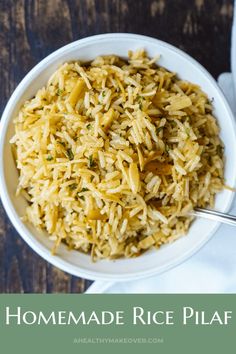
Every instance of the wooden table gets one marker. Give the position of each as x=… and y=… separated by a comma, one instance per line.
x=32, y=29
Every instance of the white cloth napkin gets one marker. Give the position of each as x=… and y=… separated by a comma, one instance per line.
x=213, y=268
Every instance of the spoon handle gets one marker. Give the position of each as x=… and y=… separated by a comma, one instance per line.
x=215, y=215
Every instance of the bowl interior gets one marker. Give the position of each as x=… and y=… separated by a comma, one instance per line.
x=153, y=261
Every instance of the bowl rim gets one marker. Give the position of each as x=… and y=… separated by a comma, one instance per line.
x=23, y=231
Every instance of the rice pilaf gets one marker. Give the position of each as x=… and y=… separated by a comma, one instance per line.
x=114, y=154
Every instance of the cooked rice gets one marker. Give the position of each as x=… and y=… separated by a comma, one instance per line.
x=114, y=154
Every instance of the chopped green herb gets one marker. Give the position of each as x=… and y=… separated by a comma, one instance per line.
x=159, y=129
x=59, y=92
x=187, y=119
x=84, y=189
x=73, y=186
x=81, y=197
x=62, y=143
x=173, y=123
x=167, y=148
x=70, y=154
x=187, y=131
x=103, y=93
x=88, y=126
x=91, y=162
x=140, y=102
x=49, y=158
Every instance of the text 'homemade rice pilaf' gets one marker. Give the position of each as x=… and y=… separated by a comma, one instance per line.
x=113, y=155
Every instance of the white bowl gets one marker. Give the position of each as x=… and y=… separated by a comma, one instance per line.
x=154, y=261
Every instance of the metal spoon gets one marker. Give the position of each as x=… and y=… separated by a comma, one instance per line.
x=215, y=215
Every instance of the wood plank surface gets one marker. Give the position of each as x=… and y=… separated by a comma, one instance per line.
x=32, y=29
